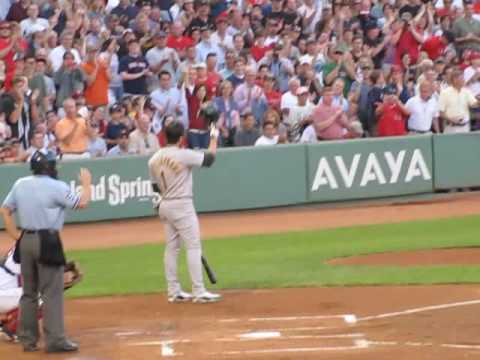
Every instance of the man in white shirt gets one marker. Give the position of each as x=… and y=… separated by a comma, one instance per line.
x=423, y=110
x=270, y=135
x=222, y=38
x=207, y=46
x=311, y=13
x=56, y=55
x=309, y=136
x=301, y=114
x=167, y=100
x=141, y=140
x=33, y=23
x=454, y=105
x=290, y=99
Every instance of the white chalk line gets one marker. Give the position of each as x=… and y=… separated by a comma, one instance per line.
x=419, y=310
x=293, y=337
x=130, y=333
x=160, y=342
x=358, y=344
x=289, y=318
x=302, y=328
x=420, y=344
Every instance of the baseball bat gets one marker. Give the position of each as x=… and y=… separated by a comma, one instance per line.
x=209, y=271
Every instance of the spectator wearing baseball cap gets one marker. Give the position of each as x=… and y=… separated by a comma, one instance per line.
x=115, y=126
x=161, y=57
x=375, y=41
x=121, y=149
x=222, y=38
x=410, y=40
x=391, y=114
x=280, y=66
x=341, y=66
x=300, y=115
x=207, y=46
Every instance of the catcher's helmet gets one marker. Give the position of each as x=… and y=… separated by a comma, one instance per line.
x=44, y=164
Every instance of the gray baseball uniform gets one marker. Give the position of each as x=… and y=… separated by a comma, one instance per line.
x=40, y=202
x=171, y=169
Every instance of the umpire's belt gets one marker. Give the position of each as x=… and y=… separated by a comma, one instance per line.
x=51, y=248
x=28, y=231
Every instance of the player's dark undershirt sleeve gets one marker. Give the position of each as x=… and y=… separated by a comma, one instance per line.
x=208, y=159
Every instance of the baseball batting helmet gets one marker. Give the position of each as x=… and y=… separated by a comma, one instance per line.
x=44, y=164
x=210, y=114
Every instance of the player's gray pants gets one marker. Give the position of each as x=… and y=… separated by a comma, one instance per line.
x=48, y=281
x=181, y=225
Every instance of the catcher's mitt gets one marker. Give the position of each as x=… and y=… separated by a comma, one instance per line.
x=72, y=275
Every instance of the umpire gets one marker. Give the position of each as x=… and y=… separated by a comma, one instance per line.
x=40, y=202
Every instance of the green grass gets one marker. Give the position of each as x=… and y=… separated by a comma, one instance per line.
x=289, y=259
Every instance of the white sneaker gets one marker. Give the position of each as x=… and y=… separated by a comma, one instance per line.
x=181, y=297
x=207, y=297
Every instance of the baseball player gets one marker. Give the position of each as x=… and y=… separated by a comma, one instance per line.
x=171, y=174
x=40, y=201
x=10, y=294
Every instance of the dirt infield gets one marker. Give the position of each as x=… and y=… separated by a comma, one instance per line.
x=421, y=322
x=465, y=256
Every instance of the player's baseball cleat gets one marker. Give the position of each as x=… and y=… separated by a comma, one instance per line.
x=207, y=297
x=182, y=296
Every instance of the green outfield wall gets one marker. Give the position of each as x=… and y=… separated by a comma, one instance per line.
x=248, y=178
x=457, y=160
x=369, y=168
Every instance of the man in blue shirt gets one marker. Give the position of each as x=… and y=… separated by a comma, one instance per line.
x=40, y=202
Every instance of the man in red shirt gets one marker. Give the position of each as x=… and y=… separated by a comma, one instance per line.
x=10, y=43
x=176, y=40
x=391, y=114
x=435, y=46
x=207, y=75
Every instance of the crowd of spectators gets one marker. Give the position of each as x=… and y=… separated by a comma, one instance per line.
x=95, y=78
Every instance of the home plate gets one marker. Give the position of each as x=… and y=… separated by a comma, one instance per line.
x=261, y=335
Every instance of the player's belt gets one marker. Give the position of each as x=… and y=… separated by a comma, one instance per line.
x=178, y=198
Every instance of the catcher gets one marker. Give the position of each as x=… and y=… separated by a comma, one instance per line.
x=11, y=291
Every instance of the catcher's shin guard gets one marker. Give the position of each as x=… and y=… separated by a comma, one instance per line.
x=10, y=324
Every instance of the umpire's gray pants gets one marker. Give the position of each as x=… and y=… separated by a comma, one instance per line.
x=48, y=281
x=181, y=225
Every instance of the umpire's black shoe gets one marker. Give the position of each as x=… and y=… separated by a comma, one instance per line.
x=66, y=346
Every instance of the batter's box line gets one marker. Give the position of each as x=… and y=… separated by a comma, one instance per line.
x=420, y=344
x=358, y=344
x=348, y=318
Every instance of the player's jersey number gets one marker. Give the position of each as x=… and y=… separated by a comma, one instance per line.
x=163, y=182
